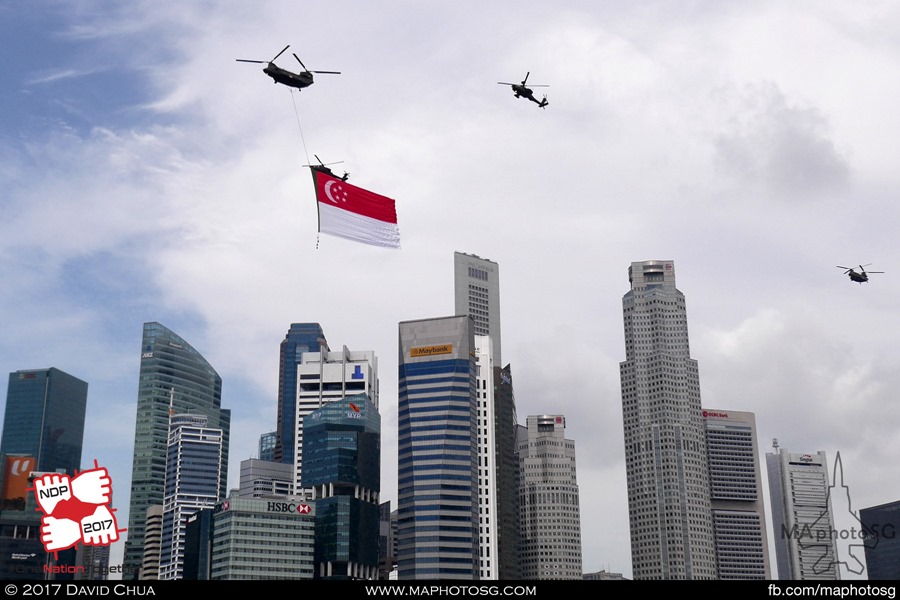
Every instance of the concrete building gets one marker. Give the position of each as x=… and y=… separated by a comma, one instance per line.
x=437, y=498
x=669, y=510
x=324, y=377
x=738, y=509
x=802, y=519
x=550, y=539
x=262, y=539
x=476, y=292
x=171, y=372
x=193, y=482
x=265, y=479
x=152, y=543
x=342, y=468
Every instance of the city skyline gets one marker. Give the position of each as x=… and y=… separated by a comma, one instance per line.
x=150, y=177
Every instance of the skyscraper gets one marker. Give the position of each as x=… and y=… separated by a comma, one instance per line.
x=301, y=337
x=739, y=517
x=488, y=525
x=194, y=479
x=171, y=371
x=507, y=453
x=882, y=526
x=802, y=519
x=550, y=542
x=437, y=450
x=476, y=292
x=44, y=419
x=43, y=431
x=342, y=467
x=665, y=440
x=327, y=377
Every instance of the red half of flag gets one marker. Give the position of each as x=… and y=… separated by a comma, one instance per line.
x=355, y=214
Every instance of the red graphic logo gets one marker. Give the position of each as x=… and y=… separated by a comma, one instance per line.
x=353, y=407
x=76, y=509
x=303, y=509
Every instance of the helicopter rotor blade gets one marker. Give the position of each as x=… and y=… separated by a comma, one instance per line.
x=526, y=77
x=252, y=61
x=506, y=83
x=280, y=53
x=326, y=72
x=301, y=63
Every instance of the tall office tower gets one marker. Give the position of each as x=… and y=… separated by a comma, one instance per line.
x=505, y=430
x=325, y=377
x=301, y=337
x=802, y=520
x=488, y=527
x=665, y=440
x=194, y=479
x=44, y=419
x=171, y=371
x=267, y=443
x=43, y=431
x=265, y=479
x=437, y=463
x=550, y=544
x=342, y=467
x=476, y=292
x=387, y=558
x=882, y=543
x=739, y=516
x=152, y=543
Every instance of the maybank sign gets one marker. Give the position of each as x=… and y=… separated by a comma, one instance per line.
x=431, y=350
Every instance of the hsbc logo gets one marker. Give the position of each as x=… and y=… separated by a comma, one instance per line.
x=288, y=507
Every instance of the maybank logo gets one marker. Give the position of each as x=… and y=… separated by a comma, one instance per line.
x=431, y=350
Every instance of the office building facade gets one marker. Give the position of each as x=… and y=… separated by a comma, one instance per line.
x=488, y=525
x=882, y=543
x=194, y=479
x=476, y=292
x=507, y=480
x=437, y=521
x=262, y=539
x=172, y=373
x=342, y=468
x=802, y=520
x=550, y=538
x=325, y=377
x=669, y=511
x=300, y=338
x=265, y=479
x=43, y=432
x=736, y=494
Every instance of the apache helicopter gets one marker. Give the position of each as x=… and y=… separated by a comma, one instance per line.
x=297, y=80
x=862, y=276
x=520, y=91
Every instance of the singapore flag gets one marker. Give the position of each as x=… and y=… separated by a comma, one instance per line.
x=353, y=213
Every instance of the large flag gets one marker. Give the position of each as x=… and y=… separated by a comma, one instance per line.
x=353, y=213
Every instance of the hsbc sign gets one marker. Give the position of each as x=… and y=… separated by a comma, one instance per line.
x=288, y=507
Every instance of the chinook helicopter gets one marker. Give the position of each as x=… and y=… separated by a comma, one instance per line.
x=862, y=276
x=296, y=80
x=520, y=91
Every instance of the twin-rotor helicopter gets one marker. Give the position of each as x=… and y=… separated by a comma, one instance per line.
x=862, y=276
x=296, y=80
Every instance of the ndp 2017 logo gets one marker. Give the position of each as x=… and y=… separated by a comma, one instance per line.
x=76, y=509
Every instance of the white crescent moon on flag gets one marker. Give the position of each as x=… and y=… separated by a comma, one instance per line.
x=328, y=191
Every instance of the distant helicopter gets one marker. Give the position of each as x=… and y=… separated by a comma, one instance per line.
x=521, y=91
x=324, y=168
x=862, y=276
x=297, y=80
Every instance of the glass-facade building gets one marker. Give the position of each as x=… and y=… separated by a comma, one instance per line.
x=300, y=338
x=172, y=373
x=193, y=481
x=44, y=419
x=342, y=468
x=882, y=526
x=43, y=431
x=437, y=521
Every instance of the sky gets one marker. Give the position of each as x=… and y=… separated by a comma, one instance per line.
x=146, y=175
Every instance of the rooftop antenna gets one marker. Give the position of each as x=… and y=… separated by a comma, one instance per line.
x=775, y=444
